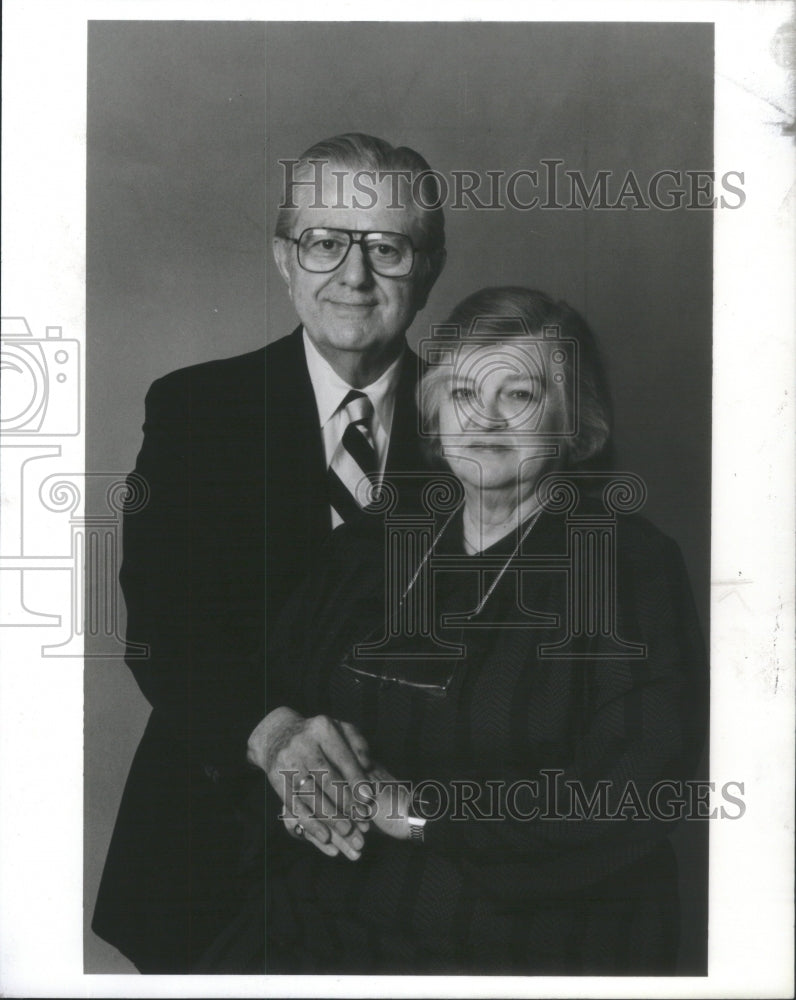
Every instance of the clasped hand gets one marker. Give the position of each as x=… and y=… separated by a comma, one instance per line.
x=331, y=789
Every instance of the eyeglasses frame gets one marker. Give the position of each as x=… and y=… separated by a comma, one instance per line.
x=352, y=234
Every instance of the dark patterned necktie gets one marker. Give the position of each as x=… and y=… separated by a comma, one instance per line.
x=354, y=458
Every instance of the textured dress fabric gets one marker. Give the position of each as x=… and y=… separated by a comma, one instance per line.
x=495, y=888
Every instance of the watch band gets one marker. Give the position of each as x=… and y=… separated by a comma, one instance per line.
x=417, y=829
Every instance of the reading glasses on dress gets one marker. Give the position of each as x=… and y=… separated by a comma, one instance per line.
x=391, y=255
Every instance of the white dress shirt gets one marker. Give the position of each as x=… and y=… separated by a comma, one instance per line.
x=330, y=391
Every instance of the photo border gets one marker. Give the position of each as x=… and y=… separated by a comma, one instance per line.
x=752, y=701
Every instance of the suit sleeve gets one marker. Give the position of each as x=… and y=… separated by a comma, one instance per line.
x=192, y=580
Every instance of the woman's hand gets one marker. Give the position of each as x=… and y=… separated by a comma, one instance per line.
x=317, y=767
x=391, y=805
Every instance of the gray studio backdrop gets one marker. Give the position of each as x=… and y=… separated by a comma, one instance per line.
x=186, y=124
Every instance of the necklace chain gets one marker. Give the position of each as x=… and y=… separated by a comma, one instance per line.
x=534, y=518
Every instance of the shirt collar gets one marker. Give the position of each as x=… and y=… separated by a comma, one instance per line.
x=330, y=390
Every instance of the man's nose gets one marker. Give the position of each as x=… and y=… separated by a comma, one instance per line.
x=355, y=270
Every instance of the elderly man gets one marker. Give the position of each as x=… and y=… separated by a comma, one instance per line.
x=250, y=463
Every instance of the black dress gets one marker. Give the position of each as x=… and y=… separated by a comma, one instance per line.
x=508, y=880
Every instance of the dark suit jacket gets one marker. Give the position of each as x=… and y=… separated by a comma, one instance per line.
x=298, y=520
x=233, y=460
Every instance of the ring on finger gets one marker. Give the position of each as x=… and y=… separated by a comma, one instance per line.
x=305, y=780
x=298, y=830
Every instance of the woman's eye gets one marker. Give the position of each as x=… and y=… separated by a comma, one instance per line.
x=462, y=392
x=521, y=394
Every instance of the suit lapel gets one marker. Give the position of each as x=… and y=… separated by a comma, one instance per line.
x=296, y=446
x=404, y=454
x=295, y=454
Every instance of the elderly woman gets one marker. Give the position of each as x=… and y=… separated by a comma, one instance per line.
x=488, y=793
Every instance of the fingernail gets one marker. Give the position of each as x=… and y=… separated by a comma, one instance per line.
x=357, y=842
x=367, y=791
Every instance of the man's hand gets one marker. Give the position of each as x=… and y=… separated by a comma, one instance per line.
x=314, y=765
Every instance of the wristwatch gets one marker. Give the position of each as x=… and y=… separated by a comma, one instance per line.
x=417, y=824
x=417, y=829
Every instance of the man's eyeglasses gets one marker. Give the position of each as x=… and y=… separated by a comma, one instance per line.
x=391, y=255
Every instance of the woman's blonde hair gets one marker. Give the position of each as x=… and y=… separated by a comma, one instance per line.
x=490, y=311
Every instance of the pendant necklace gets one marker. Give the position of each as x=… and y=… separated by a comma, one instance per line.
x=534, y=518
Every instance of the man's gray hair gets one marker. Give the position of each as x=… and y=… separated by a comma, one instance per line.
x=357, y=151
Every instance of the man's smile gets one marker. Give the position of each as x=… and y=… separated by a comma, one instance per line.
x=351, y=305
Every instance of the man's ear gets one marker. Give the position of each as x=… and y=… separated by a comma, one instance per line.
x=438, y=258
x=434, y=266
x=282, y=255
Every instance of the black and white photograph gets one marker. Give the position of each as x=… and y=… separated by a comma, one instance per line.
x=423, y=597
